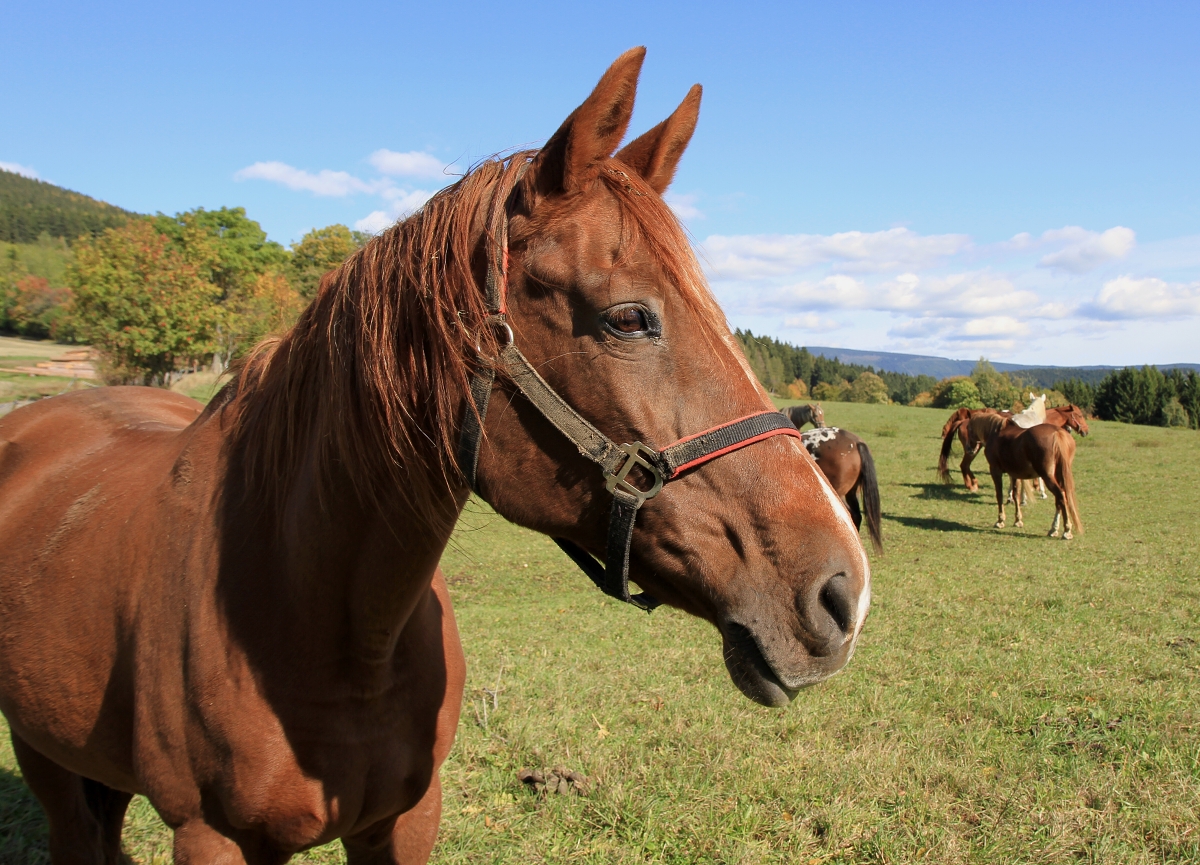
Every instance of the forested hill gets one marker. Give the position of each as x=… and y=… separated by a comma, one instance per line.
x=941, y=367
x=30, y=208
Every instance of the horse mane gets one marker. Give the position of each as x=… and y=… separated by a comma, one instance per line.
x=371, y=380
x=987, y=424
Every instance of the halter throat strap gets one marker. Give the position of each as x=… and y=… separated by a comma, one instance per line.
x=616, y=462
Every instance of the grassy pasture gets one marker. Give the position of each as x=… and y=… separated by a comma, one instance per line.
x=1013, y=698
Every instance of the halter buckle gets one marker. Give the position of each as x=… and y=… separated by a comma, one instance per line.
x=634, y=457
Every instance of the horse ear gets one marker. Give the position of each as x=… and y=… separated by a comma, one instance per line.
x=655, y=154
x=593, y=130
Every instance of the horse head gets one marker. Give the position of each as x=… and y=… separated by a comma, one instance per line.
x=607, y=301
x=1075, y=419
x=818, y=414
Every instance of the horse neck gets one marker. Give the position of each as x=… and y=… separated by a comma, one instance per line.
x=337, y=476
x=324, y=577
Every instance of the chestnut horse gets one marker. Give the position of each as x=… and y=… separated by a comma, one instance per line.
x=237, y=610
x=1044, y=451
x=972, y=437
x=846, y=461
x=801, y=414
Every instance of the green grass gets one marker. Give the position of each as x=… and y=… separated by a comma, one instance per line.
x=1013, y=698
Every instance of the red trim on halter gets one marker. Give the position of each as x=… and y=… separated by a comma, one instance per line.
x=731, y=448
x=717, y=427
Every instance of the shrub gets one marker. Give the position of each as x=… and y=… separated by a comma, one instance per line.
x=869, y=388
x=957, y=392
x=1174, y=414
x=830, y=392
x=797, y=389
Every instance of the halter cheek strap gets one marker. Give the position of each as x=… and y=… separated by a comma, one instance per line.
x=616, y=462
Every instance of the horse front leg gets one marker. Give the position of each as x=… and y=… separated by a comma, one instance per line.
x=998, y=483
x=85, y=817
x=198, y=843
x=403, y=840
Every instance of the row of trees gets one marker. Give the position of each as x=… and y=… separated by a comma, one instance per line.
x=795, y=372
x=1143, y=396
x=164, y=293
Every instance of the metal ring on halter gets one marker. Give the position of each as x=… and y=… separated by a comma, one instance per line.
x=496, y=321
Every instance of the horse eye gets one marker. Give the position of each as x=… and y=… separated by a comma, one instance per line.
x=630, y=320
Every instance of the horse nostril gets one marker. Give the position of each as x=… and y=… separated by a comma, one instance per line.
x=839, y=601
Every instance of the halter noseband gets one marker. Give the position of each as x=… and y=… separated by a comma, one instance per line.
x=615, y=461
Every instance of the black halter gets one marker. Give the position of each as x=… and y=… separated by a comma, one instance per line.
x=615, y=461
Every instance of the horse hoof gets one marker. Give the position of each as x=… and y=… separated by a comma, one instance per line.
x=1067, y=536
x=1019, y=524
x=999, y=525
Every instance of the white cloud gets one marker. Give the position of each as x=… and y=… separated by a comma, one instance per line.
x=759, y=256
x=1086, y=250
x=684, y=206
x=336, y=184
x=955, y=296
x=375, y=222
x=23, y=170
x=399, y=201
x=411, y=164
x=1128, y=298
x=811, y=321
x=404, y=202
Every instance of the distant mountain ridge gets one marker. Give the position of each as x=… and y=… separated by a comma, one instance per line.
x=941, y=367
x=30, y=208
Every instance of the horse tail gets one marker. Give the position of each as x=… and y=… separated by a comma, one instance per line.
x=943, y=469
x=870, y=493
x=1066, y=480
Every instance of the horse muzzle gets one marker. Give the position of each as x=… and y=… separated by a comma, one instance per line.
x=771, y=664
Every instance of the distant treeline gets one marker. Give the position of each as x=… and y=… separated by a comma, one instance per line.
x=1144, y=396
x=30, y=209
x=787, y=370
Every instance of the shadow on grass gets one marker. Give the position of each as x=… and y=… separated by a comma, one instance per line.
x=945, y=492
x=932, y=523
x=23, y=840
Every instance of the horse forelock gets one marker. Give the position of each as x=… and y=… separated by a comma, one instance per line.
x=651, y=221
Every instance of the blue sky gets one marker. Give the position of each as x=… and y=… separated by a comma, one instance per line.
x=1018, y=181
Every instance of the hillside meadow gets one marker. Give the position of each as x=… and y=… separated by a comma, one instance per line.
x=1013, y=698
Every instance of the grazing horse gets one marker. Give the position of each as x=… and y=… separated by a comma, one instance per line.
x=1043, y=451
x=846, y=460
x=237, y=610
x=802, y=414
x=971, y=436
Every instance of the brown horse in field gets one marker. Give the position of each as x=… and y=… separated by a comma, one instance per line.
x=809, y=413
x=962, y=424
x=846, y=461
x=1044, y=451
x=237, y=610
